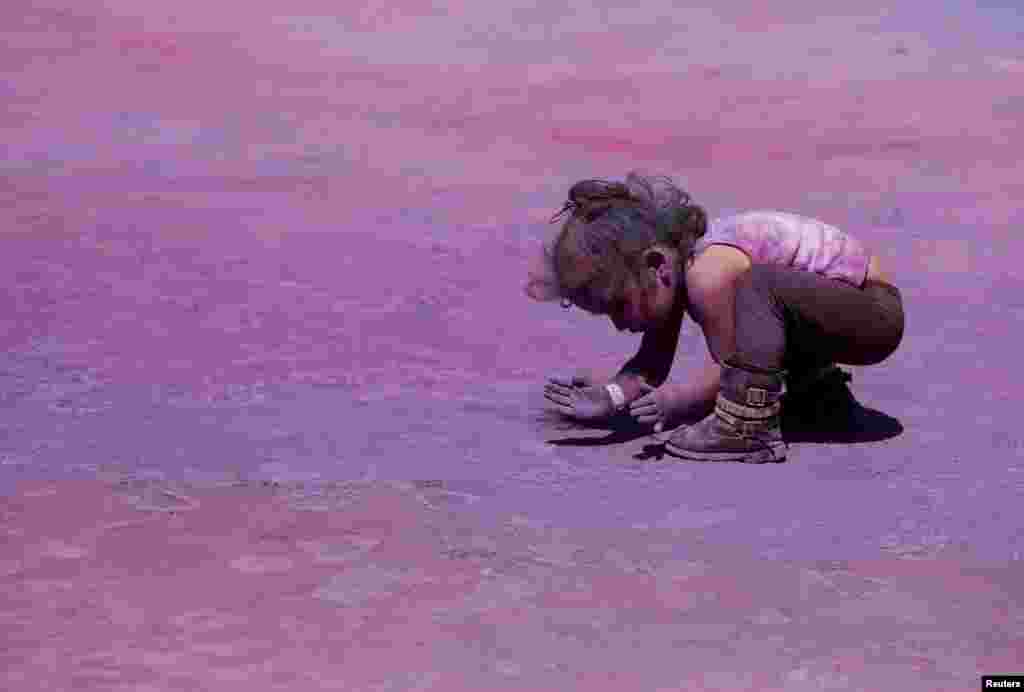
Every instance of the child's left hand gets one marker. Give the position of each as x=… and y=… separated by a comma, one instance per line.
x=651, y=407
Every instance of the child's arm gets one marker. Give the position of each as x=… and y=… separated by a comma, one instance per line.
x=653, y=362
x=671, y=405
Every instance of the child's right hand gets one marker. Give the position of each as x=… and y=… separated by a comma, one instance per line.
x=577, y=397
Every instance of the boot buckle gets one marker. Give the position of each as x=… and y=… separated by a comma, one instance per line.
x=757, y=396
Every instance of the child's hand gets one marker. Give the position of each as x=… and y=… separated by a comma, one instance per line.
x=577, y=398
x=652, y=407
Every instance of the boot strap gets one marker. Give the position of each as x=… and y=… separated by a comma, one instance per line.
x=747, y=427
x=749, y=412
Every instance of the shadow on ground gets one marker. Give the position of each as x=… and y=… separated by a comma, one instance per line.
x=620, y=429
x=859, y=425
x=856, y=426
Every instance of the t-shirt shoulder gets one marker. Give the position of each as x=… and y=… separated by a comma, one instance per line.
x=785, y=238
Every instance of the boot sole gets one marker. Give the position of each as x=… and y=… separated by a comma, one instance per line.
x=771, y=455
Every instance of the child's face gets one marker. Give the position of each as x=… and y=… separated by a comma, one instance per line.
x=631, y=306
x=627, y=310
x=647, y=302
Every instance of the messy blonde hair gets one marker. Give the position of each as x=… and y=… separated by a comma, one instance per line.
x=609, y=227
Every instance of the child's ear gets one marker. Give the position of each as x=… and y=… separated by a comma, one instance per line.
x=655, y=258
x=666, y=277
x=657, y=261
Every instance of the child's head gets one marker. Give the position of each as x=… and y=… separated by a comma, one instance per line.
x=614, y=235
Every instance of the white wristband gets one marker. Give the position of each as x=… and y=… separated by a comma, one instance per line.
x=617, y=395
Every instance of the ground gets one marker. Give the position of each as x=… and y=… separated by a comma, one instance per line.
x=272, y=395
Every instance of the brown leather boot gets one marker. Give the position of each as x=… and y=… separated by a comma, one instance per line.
x=745, y=424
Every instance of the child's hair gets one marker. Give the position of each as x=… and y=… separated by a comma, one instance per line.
x=610, y=226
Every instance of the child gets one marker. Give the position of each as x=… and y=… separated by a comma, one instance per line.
x=776, y=295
